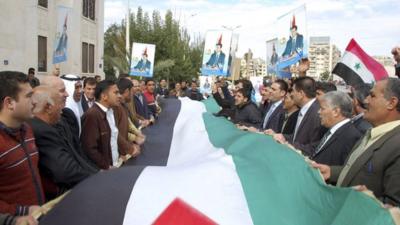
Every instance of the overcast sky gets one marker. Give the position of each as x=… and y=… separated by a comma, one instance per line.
x=374, y=24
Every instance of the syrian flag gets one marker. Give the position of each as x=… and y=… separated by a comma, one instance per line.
x=357, y=67
x=200, y=169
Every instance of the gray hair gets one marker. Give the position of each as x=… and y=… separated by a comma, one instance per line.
x=42, y=96
x=341, y=100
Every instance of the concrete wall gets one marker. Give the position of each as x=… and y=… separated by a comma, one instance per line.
x=21, y=21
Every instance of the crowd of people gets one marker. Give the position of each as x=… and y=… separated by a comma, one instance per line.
x=60, y=130
x=57, y=131
x=350, y=135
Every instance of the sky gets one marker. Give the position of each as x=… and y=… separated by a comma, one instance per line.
x=375, y=25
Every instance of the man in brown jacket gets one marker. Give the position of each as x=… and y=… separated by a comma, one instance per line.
x=99, y=131
x=126, y=146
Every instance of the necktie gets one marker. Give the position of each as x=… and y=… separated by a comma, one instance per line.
x=270, y=111
x=299, y=119
x=322, y=142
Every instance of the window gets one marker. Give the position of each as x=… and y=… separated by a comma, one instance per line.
x=87, y=58
x=42, y=54
x=91, y=58
x=84, y=57
x=88, y=9
x=43, y=3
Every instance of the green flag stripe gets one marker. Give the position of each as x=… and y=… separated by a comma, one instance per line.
x=281, y=188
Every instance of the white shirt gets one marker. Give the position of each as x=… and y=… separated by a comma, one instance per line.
x=334, y=129
x=302, y=112
x=114, y=133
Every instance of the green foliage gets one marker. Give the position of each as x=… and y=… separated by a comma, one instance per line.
x=325, y=76
x=176, y=58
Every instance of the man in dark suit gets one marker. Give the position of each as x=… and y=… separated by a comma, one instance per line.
x=162, y=89
x=275, y=114
x=335, y=145
x=294, y=44
x=144, y=64
x=291, y=113
x=246, y=112
x=87, y=99
x=99, y=131
x=217, y=59
x=375, y=159
x=60, y=163
x=359, y=93
x=140, y=102
x=308, y=131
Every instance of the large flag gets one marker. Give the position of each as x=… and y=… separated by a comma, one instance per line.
x=357, y=67
x=221, y=174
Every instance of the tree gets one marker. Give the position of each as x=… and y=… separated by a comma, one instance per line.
x=325, y=76
x=175, y=59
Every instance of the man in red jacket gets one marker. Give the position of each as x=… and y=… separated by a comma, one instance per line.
x=20, y=185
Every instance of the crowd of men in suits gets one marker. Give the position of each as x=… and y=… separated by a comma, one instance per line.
x=351, y=135
x=61, y=130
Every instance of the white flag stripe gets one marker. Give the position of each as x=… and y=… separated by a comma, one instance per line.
x=189, y=127
x=350, y=60
x=208, y=182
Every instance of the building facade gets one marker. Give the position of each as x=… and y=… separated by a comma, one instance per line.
x=250, y=66
x=28, y=31
x=323, y=56
x=388, y=63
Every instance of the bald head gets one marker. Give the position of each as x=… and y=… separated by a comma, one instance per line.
x=57, y=84
x=42, y=96
x=47, y=104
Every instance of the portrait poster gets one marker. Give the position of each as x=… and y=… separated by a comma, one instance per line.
x=292, y=40
x=257, y=83
x=216, y=53
x=142, y=61
x=206, y=83
x=272, y=57
x=60, y=49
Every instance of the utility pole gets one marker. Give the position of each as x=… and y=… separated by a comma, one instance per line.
x=127, y=38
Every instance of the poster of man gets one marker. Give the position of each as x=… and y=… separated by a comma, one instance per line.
x=205, y=84
x=61, y=38
x=142, y=63
x=291, y=43
x=272, y=56
x=216, y=53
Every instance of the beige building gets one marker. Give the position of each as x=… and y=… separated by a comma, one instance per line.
x=388, y=63
x=28, y=30
x=323, y=56
x=250, y=66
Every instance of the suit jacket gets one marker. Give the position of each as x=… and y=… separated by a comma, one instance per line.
x=377, y=168
x=122, y=122
x=310, y=131
x=59, y=160
x=142, y=109
x=275, y=121
x=162, y=91
x=361, y=124
x=141, y=65
x=96, y=137
x=247, y=115
x=215, y=61
x=290, y=124
x=84, y=103
x=338, y=147
x=298, y=44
